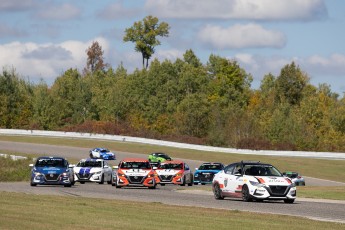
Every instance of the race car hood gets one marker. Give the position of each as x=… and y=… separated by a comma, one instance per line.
x=49, y=170
x=168, y=171
x=271, y=180
x=136, y=172
x=86, y=170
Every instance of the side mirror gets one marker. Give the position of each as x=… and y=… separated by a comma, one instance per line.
x=31, y=165
x=115, y=167
x=71, y=166
x=106, y=166
x=196, y=168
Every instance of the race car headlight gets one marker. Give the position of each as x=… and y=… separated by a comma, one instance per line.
x=38, y=174
x=64, y=174
x=257, y=184
x=121, y=174
x=150, y=175
x=178, y=174
x=196, y=175
x=99, y=172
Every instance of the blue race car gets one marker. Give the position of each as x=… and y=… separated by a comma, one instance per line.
x=102, y=153
x=51, y=171
x=206, y=171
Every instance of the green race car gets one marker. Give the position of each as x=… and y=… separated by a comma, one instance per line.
x=159, y=157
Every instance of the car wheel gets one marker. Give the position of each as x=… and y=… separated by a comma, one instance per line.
x=217, y=192
x=91, y=156
x=245, y=194
x=195, y=183
x=110, y=180
x=183, y=181
x=162, y=184
x=82, y=182
x=191, y=181
x=102, y=180
x=67, y=185
x=289, y=201
x=32, y=184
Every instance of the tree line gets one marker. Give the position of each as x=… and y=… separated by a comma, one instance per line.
x=184, y=100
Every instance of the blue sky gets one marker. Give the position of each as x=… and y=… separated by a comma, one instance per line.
x=43, y=38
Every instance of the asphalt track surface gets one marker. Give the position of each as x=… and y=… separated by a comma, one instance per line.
x=324, y=210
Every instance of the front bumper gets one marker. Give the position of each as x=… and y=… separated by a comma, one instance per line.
x=273, y=192
x=92, y=177
x=47, y=180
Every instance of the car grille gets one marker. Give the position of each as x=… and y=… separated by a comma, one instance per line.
x=277, y=190
x=166, y=178
x=52, y=176
x=206, y=177
x=136, y=179
x=84, y=176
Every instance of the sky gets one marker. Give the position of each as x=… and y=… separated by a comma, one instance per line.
x=41, y=39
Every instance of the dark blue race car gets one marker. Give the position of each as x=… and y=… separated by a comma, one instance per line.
x=205, y=173
x=51, y=171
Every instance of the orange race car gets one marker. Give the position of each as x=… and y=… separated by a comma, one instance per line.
x=175, y=172
x=134, y=172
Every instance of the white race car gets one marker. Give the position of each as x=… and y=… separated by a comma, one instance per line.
x=92, y=170
x=253, y=181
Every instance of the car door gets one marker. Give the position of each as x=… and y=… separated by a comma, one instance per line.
x=234, y=180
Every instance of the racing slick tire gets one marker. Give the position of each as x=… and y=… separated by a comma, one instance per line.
x=91, y=156
x=184, y=181
x=289, y=201
x=217, y=192
x=245, y=194
x=102, y=180
x=162, y=184
x=82, y=182
x=68, y=185
x=191, y=182
x=195, y=183
x=110, y=181
x=32, y=184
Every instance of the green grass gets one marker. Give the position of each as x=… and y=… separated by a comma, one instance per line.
x=23, y=211
x=319, y=168
x=317, y=192
x=11, y=170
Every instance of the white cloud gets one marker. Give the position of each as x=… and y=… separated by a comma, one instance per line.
x=59, y=12
x=320, y=69
x=32, y=59
x=241, y=36
x=238, y=9
x=117, y=11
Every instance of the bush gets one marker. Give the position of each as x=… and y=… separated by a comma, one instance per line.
x=14, y=170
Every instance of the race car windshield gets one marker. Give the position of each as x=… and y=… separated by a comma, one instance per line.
x=170, y=166
x=89, y=164
x=210, y=167
x=163, y=156
x=261, y=170
x=104, y=151
x=50, y=163
x=135, y=165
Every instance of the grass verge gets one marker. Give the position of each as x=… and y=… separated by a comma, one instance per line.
x=23, y=211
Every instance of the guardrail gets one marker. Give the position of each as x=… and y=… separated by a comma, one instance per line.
x=13, y=157
x=322, y=155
